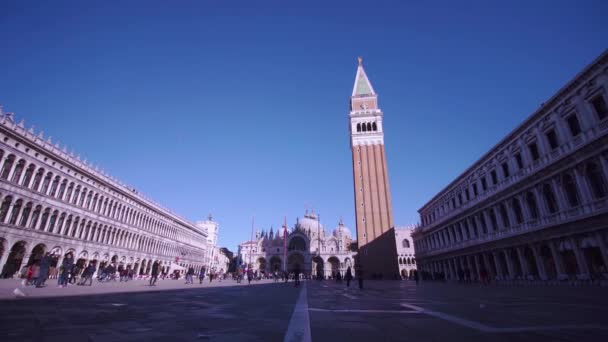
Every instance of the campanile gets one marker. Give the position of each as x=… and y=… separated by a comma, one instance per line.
x=374, y=215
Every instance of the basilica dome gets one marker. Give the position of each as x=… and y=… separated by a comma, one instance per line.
x=343, y=230
x=310, y=222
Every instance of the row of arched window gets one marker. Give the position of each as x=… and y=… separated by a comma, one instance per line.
x=530, y=205
x=367, y=127
x=37, y=179
x=563, y=130
x=407, y=261
x=29, y=215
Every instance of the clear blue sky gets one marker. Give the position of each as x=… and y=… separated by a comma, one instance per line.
x=241, y=109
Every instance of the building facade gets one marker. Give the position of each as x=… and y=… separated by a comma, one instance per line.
x=307, y=246
x=405, y=252
x=211, y=228
x=52, y=201
x=373, y=211
x=536, y=205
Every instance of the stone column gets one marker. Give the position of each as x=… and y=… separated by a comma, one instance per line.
x=478, y=224
x=540, y=203
x=604, y=167
x=510, y=268
x=581, y=184
x=523, y=262
x=486, y=263
x=524, y=207
x=562, y=201
x=498, y=214
x=602, y=245
x=557, y=259
x=471, y=229
x=540, y=265
x=453, y=269
x=477, y=266
x=498, y=265
x=581, y=262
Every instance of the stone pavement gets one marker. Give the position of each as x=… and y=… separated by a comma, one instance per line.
x=325, y=311
x=51, y=290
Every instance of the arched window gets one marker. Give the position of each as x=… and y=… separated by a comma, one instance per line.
x=369, y=127
x=46, y=182
x=532, y=207
x=68, y=194
x=62, y=189
x=359, y=127
x=550, y=198
x=28, y=175
x=45, y=217
x=596, y=180
x=35, y=216
x=519, y=217
x=364, y=127
x=18, y=170
x=26, y=214
x=4, y=208
x=53, y=220
x=14, y=214
x=76, y=194
x=374, y=127
x=570, y=189
x=405, y=243
x=38, y=179
x=54, y=186
x=8, y=165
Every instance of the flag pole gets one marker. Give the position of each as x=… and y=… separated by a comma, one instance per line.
x=251, y=246
x=285, y=244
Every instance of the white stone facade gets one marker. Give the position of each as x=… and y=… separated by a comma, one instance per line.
x=52, y=201
x=405, y=252
x=309, y=247
x=536, y=205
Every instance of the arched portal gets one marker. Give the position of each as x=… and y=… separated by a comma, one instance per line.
x=295, y=261
x=404, y=273
x=15, y=257
x=262, y=265
x=37, y=253
x=318, y=267
x=275, y=264
x=335, y=265
x=297, y=243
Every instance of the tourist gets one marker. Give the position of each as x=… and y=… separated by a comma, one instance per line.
x=296, y=273
x=87, y=274
x=359, y=270
x=43, y=274
x=349, y=276
x=201, y=275
x=189, y=275
x=155, y=269
x=66, y=268
x=249, y=276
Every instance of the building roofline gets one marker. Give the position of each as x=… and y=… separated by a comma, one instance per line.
x=602, y=58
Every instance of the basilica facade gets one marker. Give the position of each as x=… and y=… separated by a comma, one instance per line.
x=307, y=246
x=53, y=201
x=535, y=206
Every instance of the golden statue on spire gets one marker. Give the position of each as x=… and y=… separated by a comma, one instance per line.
x=360, y=60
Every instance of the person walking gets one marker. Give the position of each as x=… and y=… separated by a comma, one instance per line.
x=348, y=276
x=201, y=275
x=249, y=276
x=87, y=274
x=189, y=275
x=67, y=265
x=359, y=270
x=155, y=269
x=296, y=273
x=43, y=272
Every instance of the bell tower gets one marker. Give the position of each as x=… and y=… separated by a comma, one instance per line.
x=374, y=215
